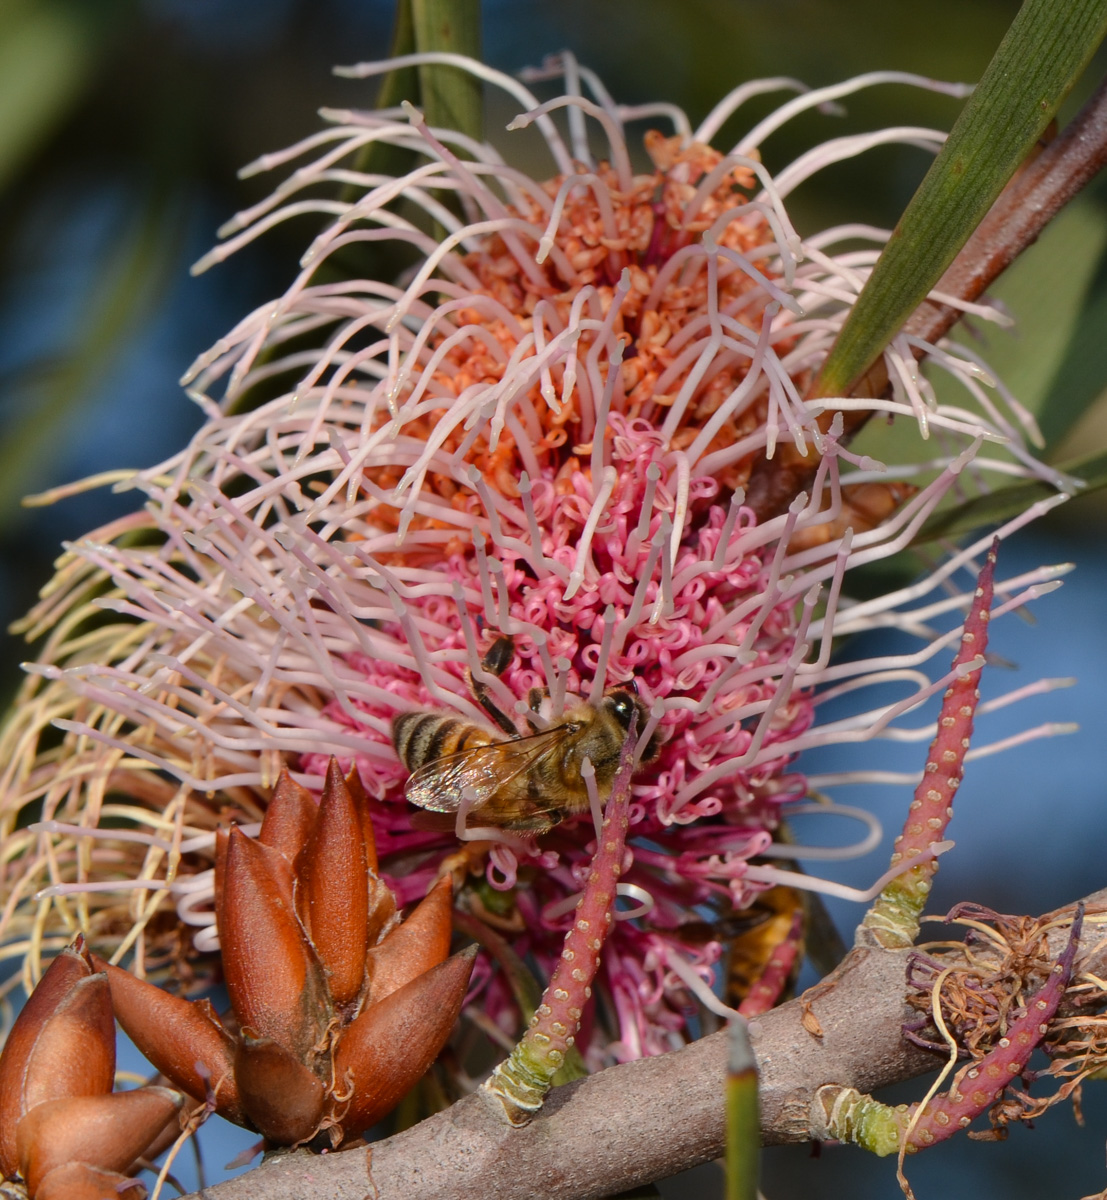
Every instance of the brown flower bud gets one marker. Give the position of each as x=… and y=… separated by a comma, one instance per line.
x=61, y=1044
x=281, y=1096
x=392, y=1044
x=79, y=1181
x=333, y=889
x=289, y=817
x=108, y=1131
x=421, y=942
x=176, y=1035
x=274, y=979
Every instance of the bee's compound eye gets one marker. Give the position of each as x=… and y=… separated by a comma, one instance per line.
x=623, y=706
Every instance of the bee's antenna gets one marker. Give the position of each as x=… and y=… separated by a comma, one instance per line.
x=484, y=675
x=657, y=711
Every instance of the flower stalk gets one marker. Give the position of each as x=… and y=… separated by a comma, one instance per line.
x=882, y=1129
x=893, y=919
x=520, y=1083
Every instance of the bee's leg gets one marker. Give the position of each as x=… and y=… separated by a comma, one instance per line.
x=499, y=655
x=468, y=859
x=495, y=662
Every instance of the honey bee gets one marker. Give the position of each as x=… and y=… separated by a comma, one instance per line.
x=768, y=922
x=528, y=782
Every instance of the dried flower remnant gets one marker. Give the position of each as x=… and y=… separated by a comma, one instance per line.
x=978, y=987
x=979, y=1085
x=543, y=432
x=63, y=1132
x=339, y=1008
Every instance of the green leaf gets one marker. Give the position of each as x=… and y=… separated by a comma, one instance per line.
x=1081, y=376
x=743, y=1116
x=450, y=98
x=47, y=52
x=1005, y=503
x=447, y=96
x=402, y=83
x=1039, y=59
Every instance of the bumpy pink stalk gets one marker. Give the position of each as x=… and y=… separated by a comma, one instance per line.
x=853, y=1117
x=522, y=1080
x=894, y=916
x=982, y=1084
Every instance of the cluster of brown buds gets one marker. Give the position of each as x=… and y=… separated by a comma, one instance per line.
x=339, y=1007
x=63, y=1131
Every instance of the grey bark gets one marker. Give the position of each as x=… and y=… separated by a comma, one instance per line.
x=640, y=1121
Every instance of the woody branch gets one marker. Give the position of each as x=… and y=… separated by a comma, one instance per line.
x=658, y=1115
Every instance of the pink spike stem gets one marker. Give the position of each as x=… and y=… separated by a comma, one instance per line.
x=522, y=1080
x=893, y=919
x=852, y=1117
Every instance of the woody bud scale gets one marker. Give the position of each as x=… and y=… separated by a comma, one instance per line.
x=338, y=1005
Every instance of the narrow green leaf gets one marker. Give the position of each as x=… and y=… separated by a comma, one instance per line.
x=134, y=273
x=1005, y=503
x=382, y=158
x=1039, y=59
x=1082, y=374
x=402, y=83
x=47, y=53
x=450, y=98
x=743, y=1116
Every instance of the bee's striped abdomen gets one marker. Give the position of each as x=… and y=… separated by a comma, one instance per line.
x=423, y=737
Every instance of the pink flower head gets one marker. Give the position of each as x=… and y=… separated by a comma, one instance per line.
x=546, y=429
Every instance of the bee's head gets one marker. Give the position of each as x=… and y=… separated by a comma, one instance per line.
x=623, y=704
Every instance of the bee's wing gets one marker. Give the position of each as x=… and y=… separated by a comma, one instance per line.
x=440, y=785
